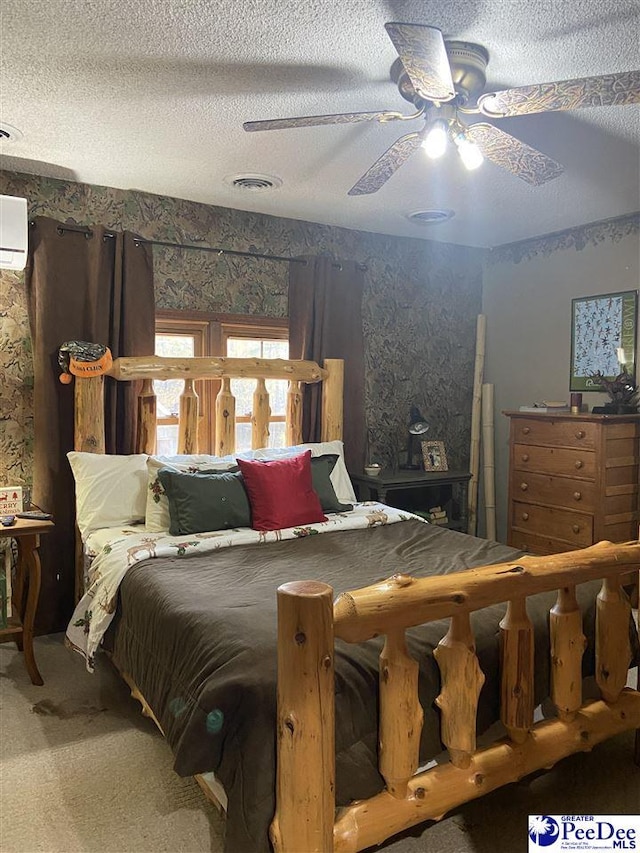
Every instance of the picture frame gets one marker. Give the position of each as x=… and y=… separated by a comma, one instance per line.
x=603, y=338
x=434, y=456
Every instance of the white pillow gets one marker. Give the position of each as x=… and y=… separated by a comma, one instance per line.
x=157, y=504
x=110, y=490
x=339, y=476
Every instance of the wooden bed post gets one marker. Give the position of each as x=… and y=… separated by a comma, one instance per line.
x=188, y=422
x=89, y=414
x=305, y=779
x=147, y=412
x=332, y=399
x=260, y=416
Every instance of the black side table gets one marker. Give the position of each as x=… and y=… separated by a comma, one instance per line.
x=419, y=491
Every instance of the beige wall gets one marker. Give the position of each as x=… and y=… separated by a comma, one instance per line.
x=527, y=296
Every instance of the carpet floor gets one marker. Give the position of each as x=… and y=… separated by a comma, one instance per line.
x=81, y=771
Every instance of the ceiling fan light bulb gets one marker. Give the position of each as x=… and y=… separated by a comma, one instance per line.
x=470, y=154
x=435, y=142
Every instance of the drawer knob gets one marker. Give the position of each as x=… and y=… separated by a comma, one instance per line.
x=525, y=457
x=576, y=528
x=577, y=496
x=524, y=486
x=525, y=516
x=526, y=430
x=580, y=433
x=579, y=463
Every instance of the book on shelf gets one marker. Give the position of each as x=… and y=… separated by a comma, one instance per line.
x=439, y=513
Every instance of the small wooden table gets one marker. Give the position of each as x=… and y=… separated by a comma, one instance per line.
x=26, y=589
x=430, y=483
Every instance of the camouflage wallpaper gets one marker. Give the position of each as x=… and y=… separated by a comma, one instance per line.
x=419, y=313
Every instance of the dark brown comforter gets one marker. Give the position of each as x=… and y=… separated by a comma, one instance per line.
x=198, y=636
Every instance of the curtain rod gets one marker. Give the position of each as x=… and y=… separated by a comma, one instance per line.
x=82, y=229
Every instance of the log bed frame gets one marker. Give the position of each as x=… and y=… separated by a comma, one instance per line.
x=309, y=620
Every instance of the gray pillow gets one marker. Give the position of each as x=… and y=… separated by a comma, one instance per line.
x=202, y=501
x=321, y=468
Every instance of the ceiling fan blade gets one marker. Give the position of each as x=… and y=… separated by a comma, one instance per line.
x=387, y=165
x=313, y=121
x=608, y=90
x=424, y=57
x=515, y=156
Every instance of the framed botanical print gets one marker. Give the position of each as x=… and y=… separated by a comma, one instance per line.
x=603, y=338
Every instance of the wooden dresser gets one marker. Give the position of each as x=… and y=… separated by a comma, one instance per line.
x=573, y=480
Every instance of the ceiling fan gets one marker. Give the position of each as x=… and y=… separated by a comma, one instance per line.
x=443, y=80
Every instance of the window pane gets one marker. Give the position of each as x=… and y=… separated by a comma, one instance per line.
x=275, y=349
x=243, y=437
x=277, y=434
x=244, y=348
x=168, y=391
x=167, y=439
x=242, y=390
x=277, y=389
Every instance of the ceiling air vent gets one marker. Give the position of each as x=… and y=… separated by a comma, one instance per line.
x=253, y=182
x=9, y=133
x=430, y=217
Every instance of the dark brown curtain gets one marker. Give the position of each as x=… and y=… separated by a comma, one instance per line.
x=93, y=288
x=325, y=321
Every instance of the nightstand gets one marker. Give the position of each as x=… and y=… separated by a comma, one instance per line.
x=419, y=491
x=26, y=589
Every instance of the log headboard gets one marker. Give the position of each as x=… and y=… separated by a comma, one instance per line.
x=89, y=399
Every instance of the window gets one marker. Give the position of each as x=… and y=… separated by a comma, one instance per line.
x=193, y=334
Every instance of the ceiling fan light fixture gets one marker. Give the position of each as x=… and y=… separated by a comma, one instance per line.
x=470, y=154
x=436, y=138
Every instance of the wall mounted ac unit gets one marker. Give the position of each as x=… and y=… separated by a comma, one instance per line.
x=13, y=232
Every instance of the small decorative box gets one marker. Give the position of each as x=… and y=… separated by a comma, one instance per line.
x=10, y=500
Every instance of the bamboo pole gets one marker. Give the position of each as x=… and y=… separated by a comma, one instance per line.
x=474, y=455
x=462, y=681
x=147, y=415
x=488, y=460
x=332, y=399
x=305, y=778
x=434, y=792
x=567, y=647
x=89, y=414
x=225, y=419
x=188, y=423
x=260, y=416
x=401, y=714
x=403, y=601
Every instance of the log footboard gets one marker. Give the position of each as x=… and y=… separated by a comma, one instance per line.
x=308, y=622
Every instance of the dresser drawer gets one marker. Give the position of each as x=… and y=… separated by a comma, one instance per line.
x=564, y=433
x=537, y=488
x=555, y=460
x=573, y=527
x=533, y=544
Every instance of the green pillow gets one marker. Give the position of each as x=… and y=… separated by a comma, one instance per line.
x=202, y=502
x=321, y=468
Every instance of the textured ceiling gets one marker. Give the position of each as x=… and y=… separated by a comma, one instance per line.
x=153, y=96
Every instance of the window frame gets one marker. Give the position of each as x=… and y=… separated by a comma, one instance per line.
x=210, y=332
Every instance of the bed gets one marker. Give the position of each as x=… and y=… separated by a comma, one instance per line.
x=315, y=691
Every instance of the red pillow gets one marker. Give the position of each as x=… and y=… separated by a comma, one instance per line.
x=281, y=492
